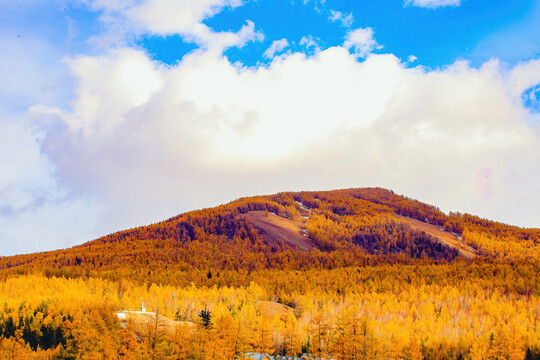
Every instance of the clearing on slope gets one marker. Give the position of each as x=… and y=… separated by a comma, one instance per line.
x=277, y=230
x=444, y=237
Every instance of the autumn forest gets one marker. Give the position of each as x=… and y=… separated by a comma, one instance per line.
x=346, y=274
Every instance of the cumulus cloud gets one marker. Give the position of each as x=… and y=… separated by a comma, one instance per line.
x=206, y=131
x=36, y=213
x=361, y=41
x=276, y=47
x=112, y=71
x=346, y=20
x=432, y=4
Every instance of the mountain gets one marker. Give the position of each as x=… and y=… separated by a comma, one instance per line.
x=300, y=230
x=344, y=274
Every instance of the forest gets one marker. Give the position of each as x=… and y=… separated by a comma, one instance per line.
x=216, y=285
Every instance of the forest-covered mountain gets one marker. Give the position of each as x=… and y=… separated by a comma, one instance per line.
x=293, y=231
x=367, y=274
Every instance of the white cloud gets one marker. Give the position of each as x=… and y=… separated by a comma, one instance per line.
x=276, y=47
x=167, y=17
x=345, y=19
x=311, y=43
x=523, y=76
x=36, y=211
x=432, y=4
x=361, y=41
x=163, y=17
x=412, y=58
x=111, y=72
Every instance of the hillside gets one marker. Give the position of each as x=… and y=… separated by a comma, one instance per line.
x=337, y=273
x=290, y=231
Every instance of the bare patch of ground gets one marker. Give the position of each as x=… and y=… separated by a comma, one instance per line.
x=444, y=237
x=270, y=309
x=276, y=230
x=143, y=321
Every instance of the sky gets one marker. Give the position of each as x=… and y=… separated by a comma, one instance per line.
x=121, y=113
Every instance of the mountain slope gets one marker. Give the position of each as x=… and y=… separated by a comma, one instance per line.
x=291, y=231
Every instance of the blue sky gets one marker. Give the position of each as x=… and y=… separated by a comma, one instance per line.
x=115, y=114
x=436, y=36
x=475, y=31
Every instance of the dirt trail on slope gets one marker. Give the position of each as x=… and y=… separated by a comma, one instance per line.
x=276, y=229
x=444, y=237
